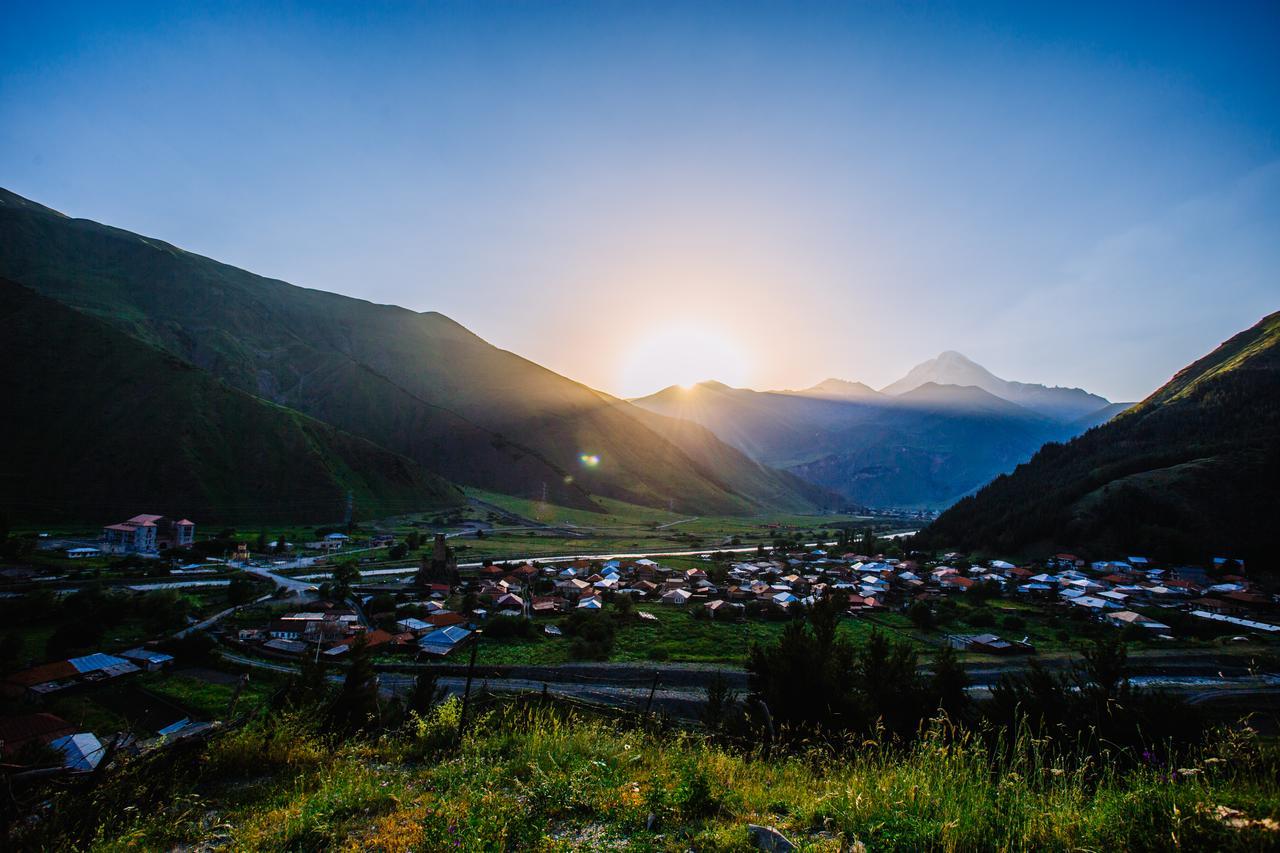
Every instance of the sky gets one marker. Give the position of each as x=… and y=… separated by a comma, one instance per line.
x=644, y=194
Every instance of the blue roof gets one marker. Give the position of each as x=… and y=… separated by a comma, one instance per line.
x=445, y=636
x=148, y=655
x=95, y=662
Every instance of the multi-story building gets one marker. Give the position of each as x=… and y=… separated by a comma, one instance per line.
x=147, y=534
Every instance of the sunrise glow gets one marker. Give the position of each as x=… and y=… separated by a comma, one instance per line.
x=683, y=355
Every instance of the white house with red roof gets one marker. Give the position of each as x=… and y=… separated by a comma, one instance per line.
x=147, y=534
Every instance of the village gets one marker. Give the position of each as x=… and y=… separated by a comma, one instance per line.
x=696, y=609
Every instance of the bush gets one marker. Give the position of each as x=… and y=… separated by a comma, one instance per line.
x=508, y=628
x=1014, y=623
x=921, y=616
x=593, y=634
x=982, y=618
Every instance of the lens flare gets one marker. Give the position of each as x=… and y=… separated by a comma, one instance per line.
x=589, y=460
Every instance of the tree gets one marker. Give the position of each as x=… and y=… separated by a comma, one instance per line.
x=889, y=684
x=721, y=703
x=241, y=590
x=413, y=541
x=623, y=607
x=355, y=708
x=345, y=574
x=949, y=681
x=921, y=615
x=426, y=692
x=262, y=542
x=309, y=687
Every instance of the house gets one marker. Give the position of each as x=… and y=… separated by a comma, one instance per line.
x=80, y=751
x=1125, y=618
x=147, y=534
x=991, y=644
x=721, y=609
x=591, y=603
x=444, y=640
x=678, y=597
x=547, y=604
x=148, y=659
x=510, y=601
x=287, y=647
x=413, y=626
x=17, y=732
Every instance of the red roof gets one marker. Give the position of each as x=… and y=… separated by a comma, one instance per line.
x=16, y=731
x=44, y=673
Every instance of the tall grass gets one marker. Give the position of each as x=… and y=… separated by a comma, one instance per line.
x=537, y=778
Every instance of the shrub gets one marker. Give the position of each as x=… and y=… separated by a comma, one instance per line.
x=1014, y=623
x=981, y=618
x=508, y=627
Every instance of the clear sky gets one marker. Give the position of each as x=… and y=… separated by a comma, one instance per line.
x=637, y=194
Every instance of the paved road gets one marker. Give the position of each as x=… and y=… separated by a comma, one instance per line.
x=304, y=588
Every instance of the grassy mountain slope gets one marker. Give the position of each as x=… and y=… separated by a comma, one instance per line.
x=100, y=425
x=1188, y=472
x=418, y=384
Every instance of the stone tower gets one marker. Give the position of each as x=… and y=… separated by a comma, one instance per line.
x=440, y=567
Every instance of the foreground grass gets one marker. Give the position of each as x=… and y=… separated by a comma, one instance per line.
x=531, y=779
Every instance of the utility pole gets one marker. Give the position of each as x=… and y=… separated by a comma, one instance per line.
x=652, y=689
x=350, y=507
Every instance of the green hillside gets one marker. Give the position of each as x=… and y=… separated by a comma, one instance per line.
x=418, y=384
x=1189, y=472
x=100, y=426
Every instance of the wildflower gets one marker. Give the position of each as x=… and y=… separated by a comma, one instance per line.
x=1189, y=771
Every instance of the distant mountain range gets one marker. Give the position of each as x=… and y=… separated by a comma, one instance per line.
x=1190, y=471
x=952, y=368
x=935, y=435
x=418, y=386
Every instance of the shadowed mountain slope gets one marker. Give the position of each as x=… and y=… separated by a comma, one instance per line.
x=100, y=425
x=1189, y=472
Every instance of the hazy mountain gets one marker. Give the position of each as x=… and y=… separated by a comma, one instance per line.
x=1100, y=417
x=100, y=426
x=1188, y=472
x=952, y=368
x=418, y=384
x=839, y=389
x=926, y=447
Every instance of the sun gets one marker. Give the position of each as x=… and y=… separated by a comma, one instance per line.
x=684, y=355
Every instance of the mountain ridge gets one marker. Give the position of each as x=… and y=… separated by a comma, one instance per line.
x=417, y=383
x=1187, y=473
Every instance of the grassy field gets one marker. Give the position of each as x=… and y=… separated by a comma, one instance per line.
x=529, y=779
x=208, y=697
x=677, y=637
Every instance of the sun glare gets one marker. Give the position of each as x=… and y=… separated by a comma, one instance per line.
x=682, y=355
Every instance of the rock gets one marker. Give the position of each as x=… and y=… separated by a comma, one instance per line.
x=769, y=839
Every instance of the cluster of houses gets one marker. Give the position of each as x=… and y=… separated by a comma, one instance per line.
x=1108, y=590
x=330, y=630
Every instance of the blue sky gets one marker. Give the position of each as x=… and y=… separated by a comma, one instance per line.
x=773, y=193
